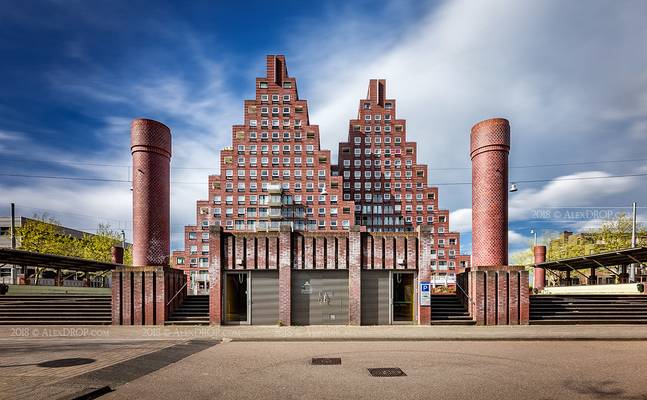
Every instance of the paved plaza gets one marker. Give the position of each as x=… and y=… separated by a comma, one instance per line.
x=542, y=362
x=434, y=370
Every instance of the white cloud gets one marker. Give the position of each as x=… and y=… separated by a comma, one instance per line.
x=567, y=191
x=516, y=239
x=9, y=140
x=199, y=112
x=571, y=79
x=537, y=64
x=460, y=220
x=74, y=204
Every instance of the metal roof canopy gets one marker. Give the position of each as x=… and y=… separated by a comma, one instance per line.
x=33, y=259
x=607, y=259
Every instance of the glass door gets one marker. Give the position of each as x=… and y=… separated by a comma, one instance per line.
x=402, y=297
x=236, y=296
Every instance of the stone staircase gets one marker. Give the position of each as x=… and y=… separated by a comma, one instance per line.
x=448, y=310
x=58, y=309
x=193, y=311
x=588, y=309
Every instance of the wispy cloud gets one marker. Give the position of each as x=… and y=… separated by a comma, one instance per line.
x=571, y=79
x=199, y=111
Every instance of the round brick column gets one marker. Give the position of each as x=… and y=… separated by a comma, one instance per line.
x=117, y=254
x=151, y=151
x=490, y=145
x=540, y=273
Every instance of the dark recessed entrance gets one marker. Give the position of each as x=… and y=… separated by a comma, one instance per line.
x=236, y=304
x=403, y=299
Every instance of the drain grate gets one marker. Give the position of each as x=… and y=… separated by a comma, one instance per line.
x=326, y=361
x=383, y=372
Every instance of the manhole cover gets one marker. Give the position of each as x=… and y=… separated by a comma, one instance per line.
x=326, y=361
x=386, y=372
x=66, y=362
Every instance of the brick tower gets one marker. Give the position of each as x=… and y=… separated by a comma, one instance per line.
x=147, y=292
x=490, y=145
x=539, y=273
x=389, y=187
x=151, y=152
x=497, y=293
x=275, y=173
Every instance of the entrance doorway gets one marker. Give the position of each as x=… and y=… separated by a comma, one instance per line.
x=236, y=302
x=402, y=300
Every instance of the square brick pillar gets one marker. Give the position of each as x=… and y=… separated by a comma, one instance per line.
x=215, y=274
x=502, y=299
x=354, y=276
x=116, y=299
x=285, y=276
x=513, y=299
x=524, y=298
x=424, y=270
x=491, y=297
x=477, y=293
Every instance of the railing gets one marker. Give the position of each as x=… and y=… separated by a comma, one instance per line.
x=175, y=295
x=464, y=278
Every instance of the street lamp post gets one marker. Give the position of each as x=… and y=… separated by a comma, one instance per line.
x=632, y=269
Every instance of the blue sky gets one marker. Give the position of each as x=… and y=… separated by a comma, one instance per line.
x=570, y=76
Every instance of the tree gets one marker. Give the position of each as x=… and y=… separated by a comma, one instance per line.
x=43, y=234
x=613, y=234
x=97, y=247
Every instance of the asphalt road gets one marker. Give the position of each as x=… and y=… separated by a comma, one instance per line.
x=434, y=370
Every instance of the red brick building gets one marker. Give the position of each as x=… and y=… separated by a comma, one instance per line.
x=275, y=174
x=382, y=176
x=276, y=179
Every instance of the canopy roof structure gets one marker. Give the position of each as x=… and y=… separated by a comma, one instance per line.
x=33, y=259
x=607, y=259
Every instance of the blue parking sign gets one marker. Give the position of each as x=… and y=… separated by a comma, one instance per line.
x=425, y=294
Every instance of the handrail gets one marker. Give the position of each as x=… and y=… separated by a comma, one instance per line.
x=178, y=292
x=465, y=293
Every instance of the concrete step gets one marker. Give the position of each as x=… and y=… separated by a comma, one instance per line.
x=55, y=322
x=590, y=311
x=37, y=313
x=188, y=313
x=197, y=323
x=587, y=321
x=453, y=322
x=176, y=317
x=588, y=316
